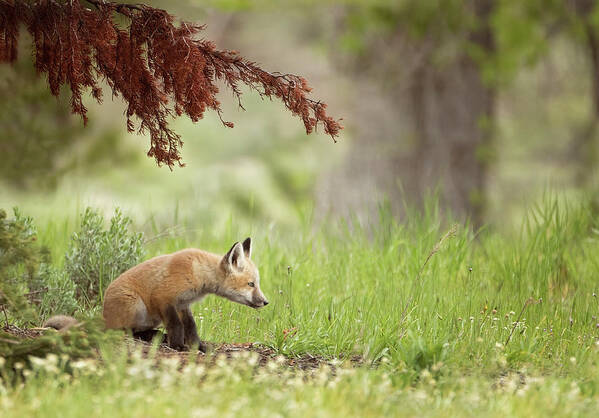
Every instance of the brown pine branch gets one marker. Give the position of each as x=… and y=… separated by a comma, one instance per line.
x=161, y=69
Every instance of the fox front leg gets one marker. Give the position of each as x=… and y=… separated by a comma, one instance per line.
x=191, y=332
x=174, y=328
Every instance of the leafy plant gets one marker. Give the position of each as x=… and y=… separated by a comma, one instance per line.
x=20, y=258
x=97, y=255
x=81, y=341
x=58, y=292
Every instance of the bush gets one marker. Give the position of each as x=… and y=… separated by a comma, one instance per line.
x=97, y=256
x=58, y=295
x=82, y=341
x=20, y=259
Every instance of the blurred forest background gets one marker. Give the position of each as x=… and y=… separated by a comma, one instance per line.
x=487, y=102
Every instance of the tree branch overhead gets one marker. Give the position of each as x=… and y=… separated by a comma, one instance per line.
x=161, y=69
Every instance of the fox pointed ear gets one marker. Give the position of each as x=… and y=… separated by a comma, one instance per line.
x=247, y=247
x=234, y=258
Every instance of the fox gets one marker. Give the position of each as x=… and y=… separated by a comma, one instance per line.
x=160, y=291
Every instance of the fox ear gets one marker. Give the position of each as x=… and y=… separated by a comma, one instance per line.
x=247, y=247
x=234, y=258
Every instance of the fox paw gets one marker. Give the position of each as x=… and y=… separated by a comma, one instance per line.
x=199, y=345
x=179, y=347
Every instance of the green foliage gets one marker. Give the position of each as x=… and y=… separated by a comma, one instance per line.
x=140, y=387
x=20, y=258
x=519, y=30
x=59, y=292
x=447, y=316
x=80, y=341
x=26, y=270
x=97, y=255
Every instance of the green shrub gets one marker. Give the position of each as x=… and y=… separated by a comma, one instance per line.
x=58, y=292
x=81, y=341
x=20, y=259
x=97, y=256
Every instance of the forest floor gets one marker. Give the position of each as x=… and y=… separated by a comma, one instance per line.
x=226, y=350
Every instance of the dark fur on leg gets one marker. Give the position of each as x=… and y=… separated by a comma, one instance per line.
x=191, y=333
x=174, y=328
x=148, y=335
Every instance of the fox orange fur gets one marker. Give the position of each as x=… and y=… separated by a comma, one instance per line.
x=161, y=289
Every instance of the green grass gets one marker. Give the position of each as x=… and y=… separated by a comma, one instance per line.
x=449, y=322
x=140, y=389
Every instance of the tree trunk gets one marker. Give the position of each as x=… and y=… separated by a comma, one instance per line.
x=439, y=133
x=453, y=112
x=584, y=146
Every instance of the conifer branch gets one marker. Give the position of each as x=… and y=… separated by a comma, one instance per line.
x=160, y=68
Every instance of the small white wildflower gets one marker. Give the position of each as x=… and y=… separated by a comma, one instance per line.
x=420, y=395
x=253, y=360
x=35, y=403
x=221, y=361
x=36, y=361
x=199, y=370
x=133, y=371
x=149, y=374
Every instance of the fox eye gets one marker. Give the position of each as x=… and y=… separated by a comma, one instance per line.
x=251, y=284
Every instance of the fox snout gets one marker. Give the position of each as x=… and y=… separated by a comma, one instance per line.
x=259, y=302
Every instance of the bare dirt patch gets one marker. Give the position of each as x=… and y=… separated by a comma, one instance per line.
x=22, y=332
x=229, y=350
x=215, y=350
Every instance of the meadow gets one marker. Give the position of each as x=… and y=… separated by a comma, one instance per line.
x=444, y=320
x=404, y=311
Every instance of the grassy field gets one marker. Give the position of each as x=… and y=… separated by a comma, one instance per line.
x=448, y=322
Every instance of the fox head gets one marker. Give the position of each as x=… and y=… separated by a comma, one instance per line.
x=241, y=282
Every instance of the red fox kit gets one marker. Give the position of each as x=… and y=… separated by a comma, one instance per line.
x=161, y=289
